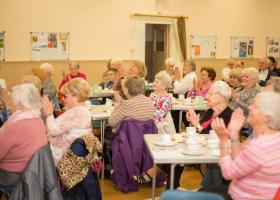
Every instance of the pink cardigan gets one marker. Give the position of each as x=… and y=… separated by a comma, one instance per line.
x=19, y=141
x=255, y=172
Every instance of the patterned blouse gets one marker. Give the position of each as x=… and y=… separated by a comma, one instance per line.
x=63, y=130
x=163, y=105
x=244, y=98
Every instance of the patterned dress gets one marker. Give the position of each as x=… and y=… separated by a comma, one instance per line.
x=163, y=105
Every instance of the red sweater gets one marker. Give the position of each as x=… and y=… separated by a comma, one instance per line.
x=19, y=141
x=69, y=77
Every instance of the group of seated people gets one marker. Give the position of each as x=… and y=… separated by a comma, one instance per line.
x=246, y=99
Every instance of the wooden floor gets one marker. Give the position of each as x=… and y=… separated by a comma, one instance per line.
x=190, y=180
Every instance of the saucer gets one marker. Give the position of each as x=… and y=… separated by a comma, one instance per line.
x=192, y=152
x=185, y=135
x=164, y=144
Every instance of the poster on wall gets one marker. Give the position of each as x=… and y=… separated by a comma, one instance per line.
x=242, y=47
x=273, y=46
x=49, y=46
x=2, y=45
x=203, y=46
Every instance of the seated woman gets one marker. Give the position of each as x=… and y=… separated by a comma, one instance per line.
x=235, y=80
x=163, y=103
x=74, y=122
x=137, y=106
x=250, y=88
x=137, y=68
x=74, y=68
x=202, y=85
x=22, y=135
x=252, y=166
x=217, y=101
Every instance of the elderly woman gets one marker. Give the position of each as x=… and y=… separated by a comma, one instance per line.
x=217, y=101
x=22, y=135
x=74, y=68
x=202, y=85
x=170, y=67
x=137, y=106
x=230, y=64
x=186, y=84
x=47, y=83
x=252, y=166
x=244, y=97
x=137, y=68
x=162, y=102
x=74, y=122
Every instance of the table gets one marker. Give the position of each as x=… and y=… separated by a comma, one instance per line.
x=171, y=155
x=102, y=94
x=98, y=113
x=181, y=107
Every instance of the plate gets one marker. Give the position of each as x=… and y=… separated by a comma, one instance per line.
x=163, y=144
x=192, y=152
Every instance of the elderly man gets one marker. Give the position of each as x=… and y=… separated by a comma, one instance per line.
x=74, y=68
x=265, y=71
x=226, y=70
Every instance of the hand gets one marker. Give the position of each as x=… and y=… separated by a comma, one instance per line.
x=118, y=98
x=219, y=127
x=192, y=117
x=236, y=122
x=177, y=74
x=197, y=84
x=48, y=106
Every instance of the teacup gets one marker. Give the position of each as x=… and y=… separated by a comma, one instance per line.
x=191, y=130
x=165, y=138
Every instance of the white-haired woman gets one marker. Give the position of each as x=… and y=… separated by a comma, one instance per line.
x=252, y=166
x=47, y=83
x=162, y=102
x=22, y=135
x=170, y=67
x=217, y=100
x=244, y=97
x=74, y=122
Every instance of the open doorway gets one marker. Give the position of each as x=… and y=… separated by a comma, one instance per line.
x=156, y=48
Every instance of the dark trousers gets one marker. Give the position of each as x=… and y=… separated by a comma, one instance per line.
x=177, y=174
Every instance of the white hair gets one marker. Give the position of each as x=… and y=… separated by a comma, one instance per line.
x=269, y=103
x=26, y=95
x=47, y=68
x=165, y=79
x=252, y=72
x=170, y=61
x=223, y=89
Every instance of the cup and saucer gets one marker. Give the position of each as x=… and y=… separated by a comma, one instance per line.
x=193, y=148
x=190, y=131
x=165, y=141
x=213, y=140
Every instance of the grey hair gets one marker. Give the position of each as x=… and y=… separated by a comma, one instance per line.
x=223, y=89
x=253, y=72
x=26, y=95
x=265, y=101
x=191, y=63
x=170, y=61
x=47, y=68
x=165, y=79
x=75, y=63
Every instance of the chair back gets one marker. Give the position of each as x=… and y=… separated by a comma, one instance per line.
x=185, y=195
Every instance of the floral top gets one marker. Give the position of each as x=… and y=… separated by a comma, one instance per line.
x=63, y=130
x=163, y=105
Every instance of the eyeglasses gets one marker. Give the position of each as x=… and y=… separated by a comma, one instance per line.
x=65, y=96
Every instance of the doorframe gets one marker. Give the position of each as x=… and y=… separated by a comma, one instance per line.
x=140, y=37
